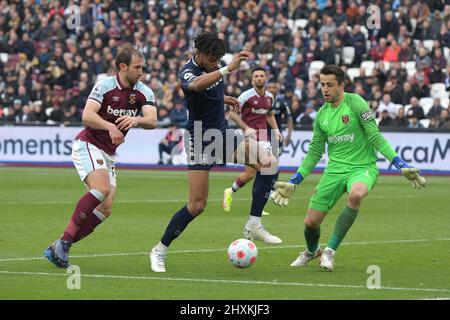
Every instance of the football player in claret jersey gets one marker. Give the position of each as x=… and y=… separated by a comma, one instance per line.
x=115, y=105
x=202, y=83
x=347, y=125
x=281, y=112
x=256, y=116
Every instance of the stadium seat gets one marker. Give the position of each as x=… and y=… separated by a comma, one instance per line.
x=48, y=111
x=428, y=44
x=291, y=24
x=365, y=31
x=314, y=67
x=447, y=54
x=348, y=54
x=384, y=65
x=411, y=72
x=353, y=73
x=426, y=103
x=442, y=95
x=368, y=66
x=413, y=24
x=425, y=122
x=445, y=102
x=4, y=57
x=407, y=107
x=438, y=90
x=398, y=106
x=227, y=58
x=301, y=23
x=410, y=67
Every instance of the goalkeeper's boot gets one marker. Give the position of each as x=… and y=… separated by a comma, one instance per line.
x=157, y=260
x=58, y=253
x=305, y=257
x=260, y=233
x=227, y=199
x=327, y=259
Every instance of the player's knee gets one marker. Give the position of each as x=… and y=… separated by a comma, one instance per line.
x=311, y=223
x=196, y=207
x=247, y=177
x=355, y=197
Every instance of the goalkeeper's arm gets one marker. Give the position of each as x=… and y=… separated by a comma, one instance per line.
x=367, y=121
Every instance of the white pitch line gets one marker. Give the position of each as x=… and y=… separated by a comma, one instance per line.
x=50, y=202
x=247, y=282
x=119, y=254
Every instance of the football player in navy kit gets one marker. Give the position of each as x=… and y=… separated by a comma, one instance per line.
x=115, y=105
x=202, y=83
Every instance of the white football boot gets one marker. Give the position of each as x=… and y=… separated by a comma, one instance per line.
x=157, y=260
x=258, y=232
x=327, y=259
x=305, y=257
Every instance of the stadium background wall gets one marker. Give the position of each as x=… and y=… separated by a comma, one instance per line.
x=51, y=146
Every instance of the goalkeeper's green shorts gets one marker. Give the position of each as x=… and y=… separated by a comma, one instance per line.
x=332, y=186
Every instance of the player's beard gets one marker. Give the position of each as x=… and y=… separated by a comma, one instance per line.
x=132, y=81
x=259, y=86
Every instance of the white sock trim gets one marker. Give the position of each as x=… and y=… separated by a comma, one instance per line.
x=161, y=248
x=328, y=248
x=100, y=196
x=252, y=220
x=99, y=215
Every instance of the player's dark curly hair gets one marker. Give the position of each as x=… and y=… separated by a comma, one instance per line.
x=208, y=43
x=258, y=68
x=334, y=69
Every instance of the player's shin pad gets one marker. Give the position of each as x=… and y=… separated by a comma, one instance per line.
x=412, y=174
x=283, y=193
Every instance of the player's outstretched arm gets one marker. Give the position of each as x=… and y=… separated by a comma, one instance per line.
x=366, y=118
x=201, y=83
x=285, y=190
x=410, y=173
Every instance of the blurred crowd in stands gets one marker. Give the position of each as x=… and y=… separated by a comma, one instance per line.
x=396, y=53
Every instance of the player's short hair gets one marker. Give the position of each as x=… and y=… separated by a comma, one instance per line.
x=334, y=69
x=258, y=69
x=125, y=54
x=208, y=43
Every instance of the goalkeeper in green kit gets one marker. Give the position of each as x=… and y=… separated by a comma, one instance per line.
x=346, y=123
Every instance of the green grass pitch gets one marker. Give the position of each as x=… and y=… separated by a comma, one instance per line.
x=405, y=232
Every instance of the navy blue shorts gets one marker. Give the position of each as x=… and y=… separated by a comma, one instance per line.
x=203, y=153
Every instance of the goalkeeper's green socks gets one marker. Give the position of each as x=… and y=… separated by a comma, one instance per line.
x=343, y=224
x=312, y=238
